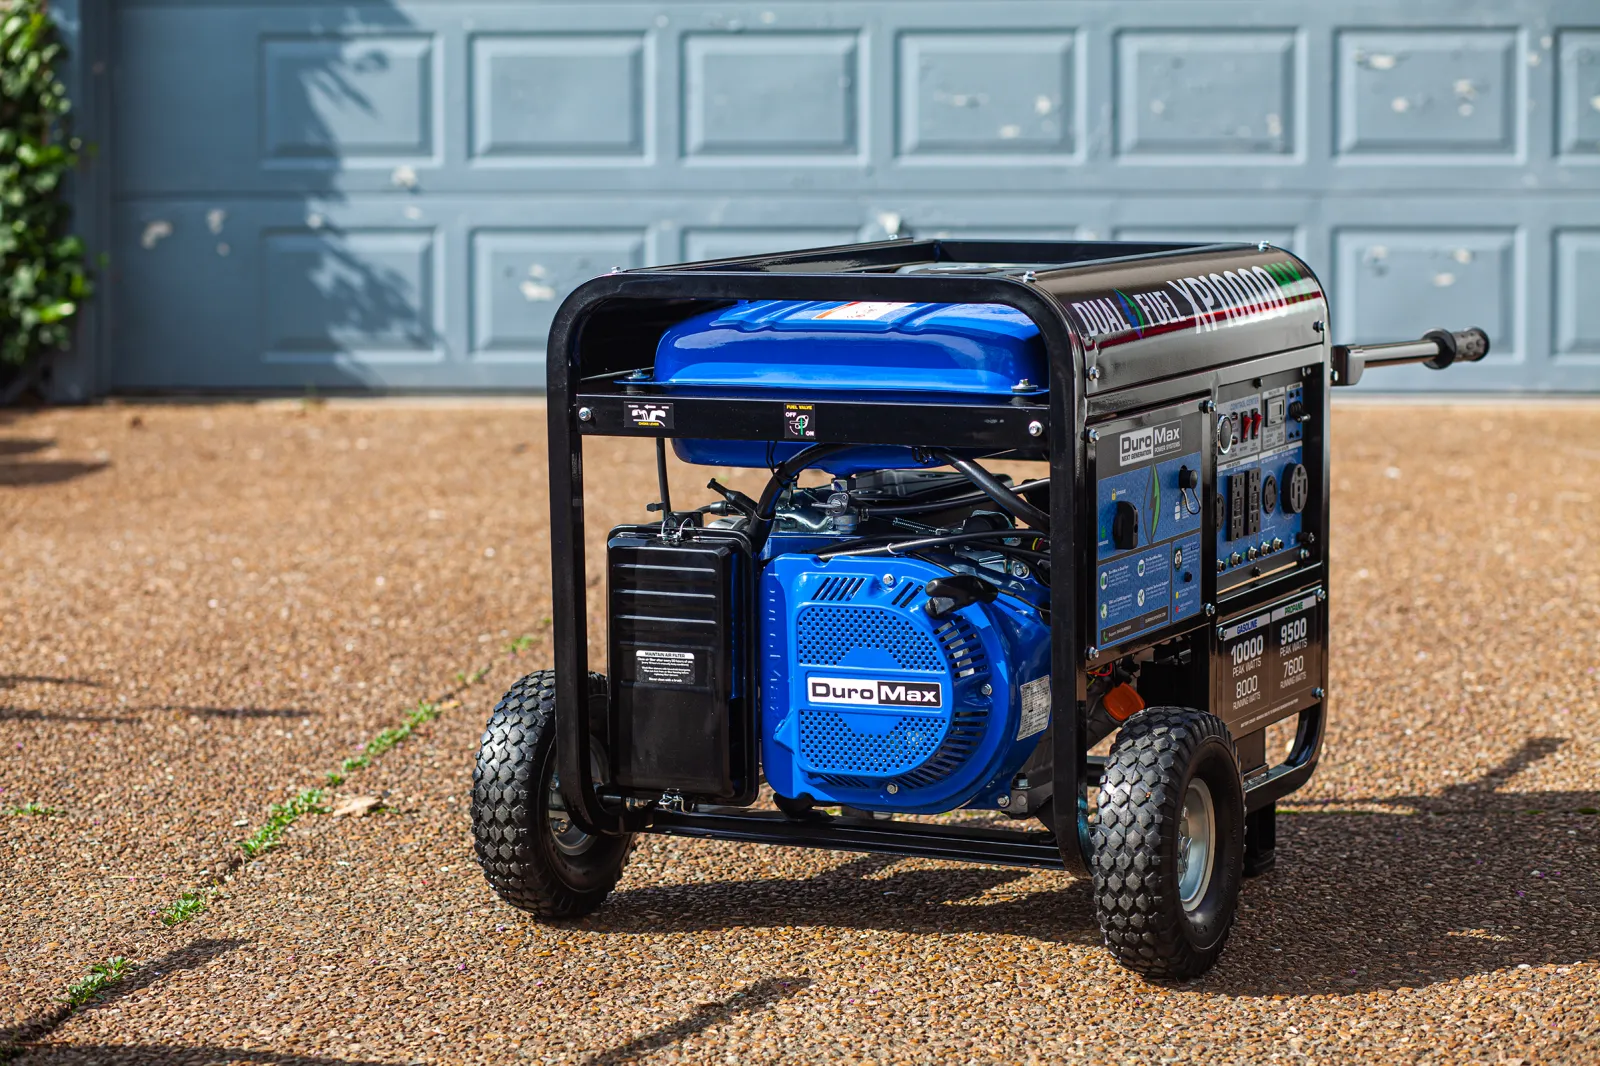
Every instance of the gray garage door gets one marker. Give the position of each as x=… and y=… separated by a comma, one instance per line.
x=397, y=195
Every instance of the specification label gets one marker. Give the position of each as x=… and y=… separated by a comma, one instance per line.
x=1269, y=662
x=1035, y=708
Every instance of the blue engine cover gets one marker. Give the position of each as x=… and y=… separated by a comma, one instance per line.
x=867, y=701
x=806, y=349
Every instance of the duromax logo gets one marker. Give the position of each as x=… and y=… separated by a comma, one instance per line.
x=865, y=692
x=1151, y=442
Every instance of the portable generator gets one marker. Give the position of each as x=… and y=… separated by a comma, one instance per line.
x=912, y=633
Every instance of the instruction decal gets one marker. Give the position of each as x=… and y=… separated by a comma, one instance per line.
x=653, y=666
x=799, y=421
x=653, y=414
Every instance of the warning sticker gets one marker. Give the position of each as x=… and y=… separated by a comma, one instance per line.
x=1035, y=708
x=861, y=311
x=657, y=667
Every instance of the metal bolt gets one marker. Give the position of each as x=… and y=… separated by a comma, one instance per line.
x=1035, y=429
x=1208, y=406
x=1093, y=373
x=892, y=789
x=1220, y=631
x=1029, y=276
x=1211, y=610
x=987, y=690
x=1322, y=594
x=1318, y=326
x=585, y=415
x=1023, y=386
x=1305, y=553
x=561, y=826
x=888, y=579
x=1262, y=246
x=1318, y=693
x=1003, y=801
x=639, y=375
x=1092, y=435
x=1091, y=652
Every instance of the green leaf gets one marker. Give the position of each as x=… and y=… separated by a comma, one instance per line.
x=44, y=276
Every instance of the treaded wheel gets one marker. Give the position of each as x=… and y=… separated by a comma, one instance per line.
x=1169, y=843
x=533, y=856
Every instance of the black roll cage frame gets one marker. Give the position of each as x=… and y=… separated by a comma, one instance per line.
x=581, y=402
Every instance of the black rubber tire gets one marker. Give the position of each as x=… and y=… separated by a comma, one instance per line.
x=510, y=810
x=1155, y=756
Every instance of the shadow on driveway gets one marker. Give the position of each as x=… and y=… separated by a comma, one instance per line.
x=1473, y=881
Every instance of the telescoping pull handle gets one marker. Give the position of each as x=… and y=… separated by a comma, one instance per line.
x=1436, y=349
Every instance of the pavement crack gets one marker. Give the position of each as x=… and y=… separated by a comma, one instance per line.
x=105, y=983
x=280, y=816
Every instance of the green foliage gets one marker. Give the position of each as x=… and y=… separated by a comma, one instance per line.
x=34, y=809
x=100, y=977
x=185, y=907
x=43, y=278
x=280, y=817
x=378, y=745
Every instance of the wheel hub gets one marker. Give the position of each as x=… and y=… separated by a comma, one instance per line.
x=568, y=837
x=1197, y=832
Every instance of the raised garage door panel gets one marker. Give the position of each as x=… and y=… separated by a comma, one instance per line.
x=399, y=195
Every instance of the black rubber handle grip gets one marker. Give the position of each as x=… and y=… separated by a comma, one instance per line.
x=1466, y=346
x=1471, y=344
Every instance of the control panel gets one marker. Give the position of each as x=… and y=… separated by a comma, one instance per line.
x=1149, y=510
x=1263, y=482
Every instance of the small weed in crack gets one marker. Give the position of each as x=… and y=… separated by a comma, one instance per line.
x=101, y=975
x=281, y=817
x=185, y=907
x=378, y=745
x=34, y=810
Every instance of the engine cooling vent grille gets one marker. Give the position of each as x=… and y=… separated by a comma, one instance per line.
x=907, y=593
x=830, y=745
x=839, y=588
x=962, y=647
x=825, y=635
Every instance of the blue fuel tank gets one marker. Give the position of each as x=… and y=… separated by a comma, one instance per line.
x=805, y=349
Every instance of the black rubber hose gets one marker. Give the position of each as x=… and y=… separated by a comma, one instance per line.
x=869, y=511
x=866, y=544
x=785, y=472
x=1009, y=501
x=661, y=479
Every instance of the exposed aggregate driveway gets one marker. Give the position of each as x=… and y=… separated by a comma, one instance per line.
x=205, y=608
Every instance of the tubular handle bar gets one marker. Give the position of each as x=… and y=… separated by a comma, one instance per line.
x=1437, y=349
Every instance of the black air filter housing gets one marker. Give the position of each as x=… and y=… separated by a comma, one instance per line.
x=680, y=713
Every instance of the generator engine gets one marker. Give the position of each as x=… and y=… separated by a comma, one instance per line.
x=901, y=684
